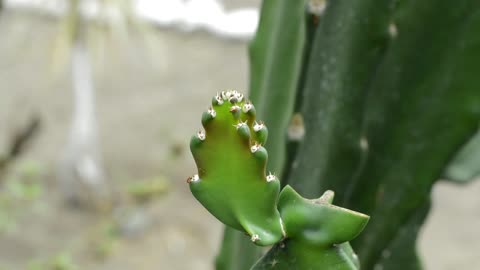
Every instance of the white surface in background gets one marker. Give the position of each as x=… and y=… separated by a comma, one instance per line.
x=188, y=15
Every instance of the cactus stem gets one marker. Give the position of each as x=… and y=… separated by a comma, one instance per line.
x=194, y=178
x=255, y=238
x=201, y=135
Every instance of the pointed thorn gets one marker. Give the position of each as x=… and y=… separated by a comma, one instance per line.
x=258, y=126
x=234, y=108
x=236, y=97
x=212, y=112
x=254, y=148
x=255, y=238
x=241, y=124
x=226, y=95
x=218, y=99
x=247, y=107
x=271, y=177
x=201, y=135
x=193, y=179
x=240, y=97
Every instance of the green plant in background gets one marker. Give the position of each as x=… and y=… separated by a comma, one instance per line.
x=61, y=261
x=23, y=187
x=390, y=100
x=233, y=185
x=147, y=190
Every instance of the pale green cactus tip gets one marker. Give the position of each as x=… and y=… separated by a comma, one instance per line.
x=232, y=183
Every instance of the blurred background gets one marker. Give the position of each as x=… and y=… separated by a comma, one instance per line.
x=98, y=100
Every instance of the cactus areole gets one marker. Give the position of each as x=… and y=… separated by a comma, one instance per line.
x=233, y=185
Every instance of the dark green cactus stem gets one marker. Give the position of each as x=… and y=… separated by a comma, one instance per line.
x=345, y=52
x=317, y=235
x=422, y=107
x=232, y=182
x=391, y=94
x=296, y=128
x=276, y=54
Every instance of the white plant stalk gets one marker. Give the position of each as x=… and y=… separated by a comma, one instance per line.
x=81, y=171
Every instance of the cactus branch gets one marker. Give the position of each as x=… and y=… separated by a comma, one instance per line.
x=233, y=185
x=232, y=182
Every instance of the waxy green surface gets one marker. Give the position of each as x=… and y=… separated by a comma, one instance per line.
x=317, y=235
x=232, y=182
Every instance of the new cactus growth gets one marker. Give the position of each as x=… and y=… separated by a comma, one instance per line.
x=233, y=185
x=232, y=182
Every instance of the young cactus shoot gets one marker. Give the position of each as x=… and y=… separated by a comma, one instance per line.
x=232, y=184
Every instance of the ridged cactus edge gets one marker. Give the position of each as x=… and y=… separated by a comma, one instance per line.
x=232, y=183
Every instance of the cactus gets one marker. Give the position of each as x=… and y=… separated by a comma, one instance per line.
x=232, y=185
x=375, y=142
x=275, y=58
x=231, y=181
x=317, y=234
x=389, y=98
